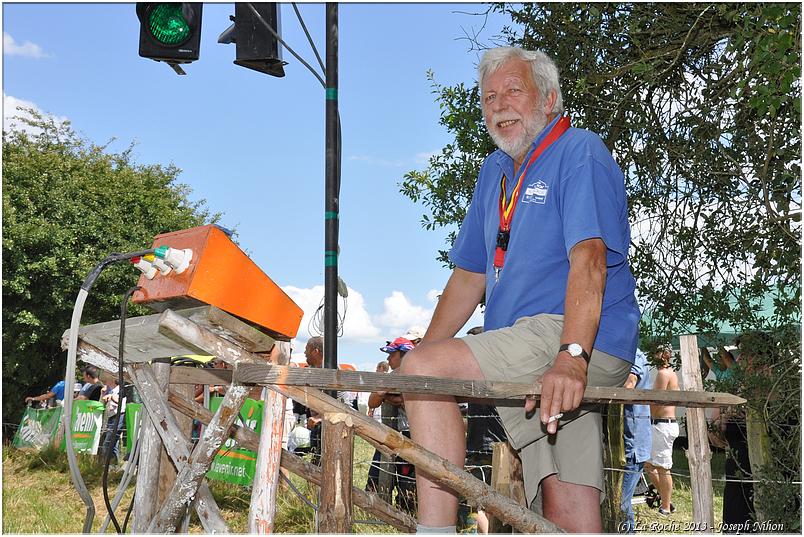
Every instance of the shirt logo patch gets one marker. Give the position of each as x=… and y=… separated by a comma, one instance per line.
x=536, y=193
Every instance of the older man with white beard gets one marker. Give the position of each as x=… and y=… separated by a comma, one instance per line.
x=545, y=240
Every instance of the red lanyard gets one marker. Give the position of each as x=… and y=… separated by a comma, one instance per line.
x=507, y=207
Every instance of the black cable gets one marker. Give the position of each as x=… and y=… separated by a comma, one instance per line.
x=120, y=400
x=111, y=258
x=128, y=513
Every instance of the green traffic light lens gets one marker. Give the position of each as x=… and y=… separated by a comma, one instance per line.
x=168, y=25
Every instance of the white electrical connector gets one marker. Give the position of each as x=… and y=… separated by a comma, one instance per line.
x=178, y=259
x=163, y=267
x=145, y=266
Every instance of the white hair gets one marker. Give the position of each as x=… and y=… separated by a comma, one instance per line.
x=545, y=72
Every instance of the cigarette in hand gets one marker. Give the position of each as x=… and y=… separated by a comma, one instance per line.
x=551, y=419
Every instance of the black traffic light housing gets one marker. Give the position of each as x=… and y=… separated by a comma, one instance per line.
x=256, y=47
x=170, y=32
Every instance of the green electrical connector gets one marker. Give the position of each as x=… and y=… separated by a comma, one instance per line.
x=161, y=251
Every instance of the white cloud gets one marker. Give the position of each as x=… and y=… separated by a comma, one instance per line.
x=433, y=294
x=13, y=108
x=357, y=327
x=26, y=49
x=424, y=158
x=400, y=314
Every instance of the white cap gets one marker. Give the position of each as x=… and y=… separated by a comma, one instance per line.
x=414, y=333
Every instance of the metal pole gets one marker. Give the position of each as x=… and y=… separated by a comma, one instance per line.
x=332, y=188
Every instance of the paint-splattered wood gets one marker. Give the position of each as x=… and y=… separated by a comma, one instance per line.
x=176, y=445
x=262, y=507
x=145, y=504
x=144, y=342
x=248, y=439
x=337, y=446
x=191, y=475
x=698, y=454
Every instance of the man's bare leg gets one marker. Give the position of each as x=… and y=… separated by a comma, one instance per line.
x=436, y=423
x=665, y=486
x=576, y=508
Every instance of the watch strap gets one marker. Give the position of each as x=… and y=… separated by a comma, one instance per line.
x=584, y=354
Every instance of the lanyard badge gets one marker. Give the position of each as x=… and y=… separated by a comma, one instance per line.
x=508, y=206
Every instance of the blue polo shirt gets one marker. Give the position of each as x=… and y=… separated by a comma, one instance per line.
x=637, y=435
x=58, y=390
x=573, y=192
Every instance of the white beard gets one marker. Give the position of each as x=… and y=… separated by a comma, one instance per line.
x=517, y=148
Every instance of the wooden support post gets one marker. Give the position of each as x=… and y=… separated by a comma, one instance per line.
x=613, y=457
x=337, y=443
x=191, y=475
x=176, y=445
x=442, y=471
x=145, y=501
x=758, y=455
x=248, y=439
x=698, y=454
x=167, y=471
x=269, y=454
x=506, y=478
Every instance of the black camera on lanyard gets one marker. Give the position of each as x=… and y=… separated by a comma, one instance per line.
x=502, y=239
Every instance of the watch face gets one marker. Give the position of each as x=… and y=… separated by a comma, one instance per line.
x=575, y=349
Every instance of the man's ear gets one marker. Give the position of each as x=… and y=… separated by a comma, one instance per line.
x=549, y=102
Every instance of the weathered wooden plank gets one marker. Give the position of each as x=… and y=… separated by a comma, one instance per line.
x=337, y=445
x=248, y=439
x=192, y=474
x=230, y=327
x=265, y=374
x=440, y=470
x=506, y=478
x=145, y=505
x=698, y=454
x=266, y=477
x=177, y=447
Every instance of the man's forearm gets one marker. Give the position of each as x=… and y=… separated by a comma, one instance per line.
x=584, y=298
x=461, y=296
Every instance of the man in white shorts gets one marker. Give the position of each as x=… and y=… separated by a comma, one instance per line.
x=664, y=433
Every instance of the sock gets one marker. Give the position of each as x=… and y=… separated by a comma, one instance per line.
x=429, y=529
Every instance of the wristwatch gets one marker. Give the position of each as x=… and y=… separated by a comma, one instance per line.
x=575, y=350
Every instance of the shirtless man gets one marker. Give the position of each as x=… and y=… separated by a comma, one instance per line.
x=665, y=431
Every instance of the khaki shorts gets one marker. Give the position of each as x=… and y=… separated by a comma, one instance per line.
x=519, y=353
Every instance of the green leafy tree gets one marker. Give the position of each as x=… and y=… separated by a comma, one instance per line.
x=700, y=105
x=68, y=203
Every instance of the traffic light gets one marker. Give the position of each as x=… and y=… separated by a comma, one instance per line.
x=256, y=47
x=170, y=32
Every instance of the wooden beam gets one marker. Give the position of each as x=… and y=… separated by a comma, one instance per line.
x=176, y=445
x=698, y=454
x=440, y=470
x=265, y=374
x=192, y=474
x=262, y=507
x=337, y=445
x=145, y=504
x=248, y=439
x=506, y=478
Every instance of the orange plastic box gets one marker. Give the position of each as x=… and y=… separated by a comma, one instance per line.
x=221, y=275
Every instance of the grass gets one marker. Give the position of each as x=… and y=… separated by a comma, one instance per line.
x=38, y=497
x=650, y=521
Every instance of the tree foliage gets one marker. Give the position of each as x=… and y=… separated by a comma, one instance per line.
x=700, y=105
x=68, y=203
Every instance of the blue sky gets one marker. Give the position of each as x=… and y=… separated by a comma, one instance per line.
x=253, y=145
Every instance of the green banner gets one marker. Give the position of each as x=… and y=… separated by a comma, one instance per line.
x=132, y=415
x=233, y=464
x=86, y=428
x=37, y=427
